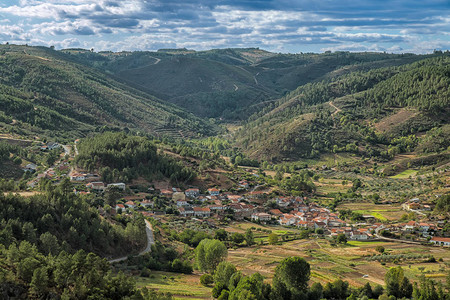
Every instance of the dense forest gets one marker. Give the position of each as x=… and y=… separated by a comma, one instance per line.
x=59, y=220
x=122, y=157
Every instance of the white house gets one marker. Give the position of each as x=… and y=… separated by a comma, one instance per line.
x=441, y=241
x=192, y=193
x=120, y=206
x=78, y=177
x=98, y=186
x=263, y=217
x=186, y=211
x=147, y=203
x=214, y=192
x=181, y=203
x=202, y=212
x=358, y=236
x=130, y=204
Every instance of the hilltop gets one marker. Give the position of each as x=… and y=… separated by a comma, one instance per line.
x=230, y=84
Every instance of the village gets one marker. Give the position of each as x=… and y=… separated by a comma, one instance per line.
x=247, y=202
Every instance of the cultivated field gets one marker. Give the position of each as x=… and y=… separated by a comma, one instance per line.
x=347, y=262
x=383, y=212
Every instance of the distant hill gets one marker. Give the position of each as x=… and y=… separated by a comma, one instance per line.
x=228, y=83
x=376, y=113
x=48, y=92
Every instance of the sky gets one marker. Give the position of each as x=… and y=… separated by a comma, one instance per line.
x=288, y=26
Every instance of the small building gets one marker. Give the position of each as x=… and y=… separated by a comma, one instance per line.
x=166, y=193
x=263, y=217
x=276, y=212
x=119, y=185
x=440, y=241
x=52, y=146
x=120, y=206
x=147, y=203
x=130, y=204
x=181, y=202
x=186, y=211
x=192, y=193
x=202, y=212
x=214, y=192
x=244, y=184
x=78, y=177
x=30, y=168
x=96, y=186
x=358, y=236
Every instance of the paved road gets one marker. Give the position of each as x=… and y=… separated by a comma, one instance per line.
x=148, y=248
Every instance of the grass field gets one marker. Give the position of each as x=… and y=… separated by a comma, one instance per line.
x=405, y=174
x=181, y=286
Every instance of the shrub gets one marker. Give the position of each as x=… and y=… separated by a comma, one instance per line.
x=206, y=279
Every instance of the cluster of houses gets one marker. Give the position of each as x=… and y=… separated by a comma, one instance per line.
x=192, y=203
x=416, y=205
x=55, y=173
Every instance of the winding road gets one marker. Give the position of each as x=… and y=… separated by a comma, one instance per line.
x=148, y=248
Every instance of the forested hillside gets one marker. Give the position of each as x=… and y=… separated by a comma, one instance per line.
x=229, y=83
x=46, y=92
x=58, y=220
x=377, y=114
x=119, y=157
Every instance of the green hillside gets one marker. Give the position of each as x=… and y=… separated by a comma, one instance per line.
x=378, y=113
x=43, y=91
x=228, y=83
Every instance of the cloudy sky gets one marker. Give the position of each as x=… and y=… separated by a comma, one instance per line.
x=275, y=25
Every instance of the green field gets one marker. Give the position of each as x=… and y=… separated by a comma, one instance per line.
x=405, y=174
x=181, y=286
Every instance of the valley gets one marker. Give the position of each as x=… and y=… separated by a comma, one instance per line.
x=120, y=171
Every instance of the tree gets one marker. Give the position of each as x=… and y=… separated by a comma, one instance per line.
x=336, y=290
x=223, y=273
x=237, y=237
x=341, y=238
x=379, y=249
x=221, y=235
x=292, y=276
x=316, y=291
x=397, y=284
x=209, y=253
x=273, y=239
x=39, y=282
x=206, y=279
x=249, y=238
x=251, y=287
